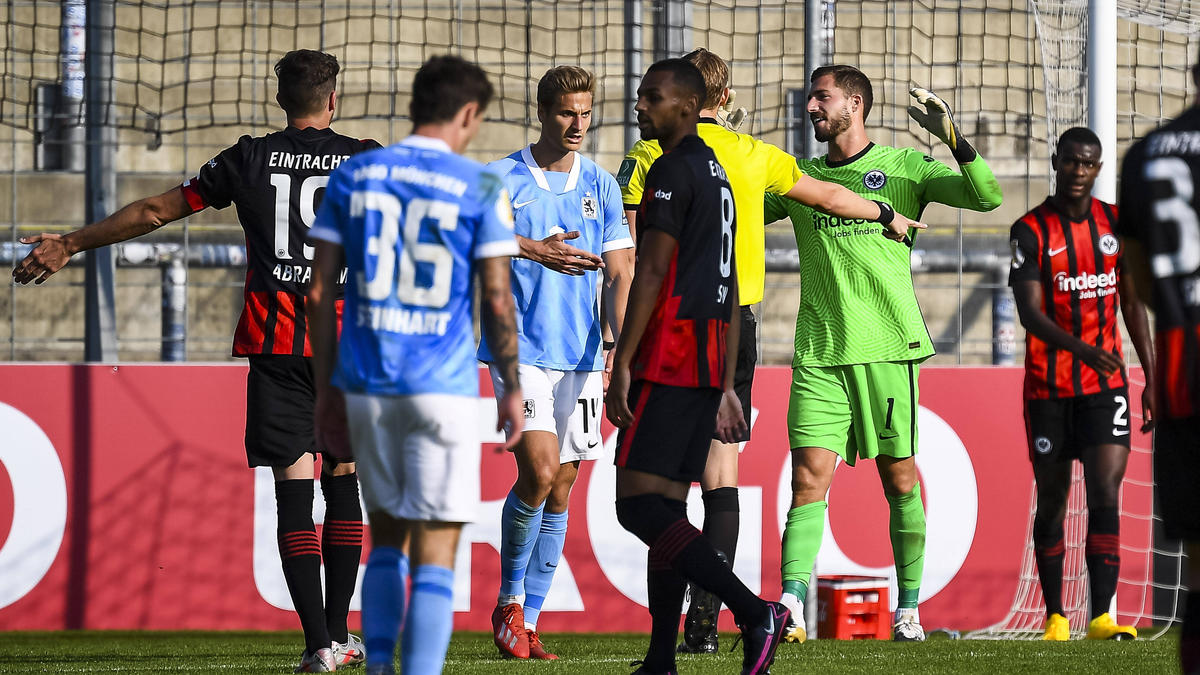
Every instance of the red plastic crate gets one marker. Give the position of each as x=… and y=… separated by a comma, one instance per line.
x=851, y=607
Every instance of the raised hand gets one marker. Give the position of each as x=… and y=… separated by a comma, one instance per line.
x=933, y=114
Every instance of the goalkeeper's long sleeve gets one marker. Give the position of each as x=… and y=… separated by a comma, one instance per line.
x=976, y=188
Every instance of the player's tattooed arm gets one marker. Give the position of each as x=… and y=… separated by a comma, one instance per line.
x=53, y=251
x=653, y=261
x=839, y=201
x=555, y=253
x=329, y=413
x=498, y=319
x=1139, y=332
x=1029, y=297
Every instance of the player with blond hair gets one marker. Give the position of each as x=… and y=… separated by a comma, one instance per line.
x=558, y=195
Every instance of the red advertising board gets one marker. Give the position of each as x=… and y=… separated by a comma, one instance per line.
x=125, y=503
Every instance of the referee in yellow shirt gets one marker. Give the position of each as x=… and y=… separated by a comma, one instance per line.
x=754, y=168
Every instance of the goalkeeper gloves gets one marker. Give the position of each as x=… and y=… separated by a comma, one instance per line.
x=727, y=115
x=935, y=118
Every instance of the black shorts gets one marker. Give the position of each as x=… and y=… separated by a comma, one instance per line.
x=671, y=430
x=1059, y=429
x=747, y=359
x=279, y=409
x=1177, y=475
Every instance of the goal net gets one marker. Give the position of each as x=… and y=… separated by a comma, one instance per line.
x=1154, y=57
x=1149, y=589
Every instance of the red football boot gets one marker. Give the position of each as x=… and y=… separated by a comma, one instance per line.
x=537, y=650
x=508, y=631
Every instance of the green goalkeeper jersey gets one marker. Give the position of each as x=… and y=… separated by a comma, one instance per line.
x=857, y=303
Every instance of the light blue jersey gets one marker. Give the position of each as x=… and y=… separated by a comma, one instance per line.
x=412, y=218
x=558, y=315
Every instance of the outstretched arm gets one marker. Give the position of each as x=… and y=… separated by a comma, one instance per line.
x=839, y=201
x=133, y=220
x=556, y=254
x=976, y=188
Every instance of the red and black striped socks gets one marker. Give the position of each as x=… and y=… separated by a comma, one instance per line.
x=341, y=544
x=300, y=553
x=1049, y=550
x=661, y=523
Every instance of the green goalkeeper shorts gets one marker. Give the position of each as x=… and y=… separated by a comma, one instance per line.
x=863, y=410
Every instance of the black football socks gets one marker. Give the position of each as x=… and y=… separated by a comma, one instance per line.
x=300, y=552
x=341, y=545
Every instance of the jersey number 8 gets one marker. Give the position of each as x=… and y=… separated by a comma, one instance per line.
x=726, y=231
x=382, y=247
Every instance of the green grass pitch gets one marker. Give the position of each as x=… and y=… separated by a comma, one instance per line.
x=471, y=653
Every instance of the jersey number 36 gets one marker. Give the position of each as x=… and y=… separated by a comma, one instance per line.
x=379, y=280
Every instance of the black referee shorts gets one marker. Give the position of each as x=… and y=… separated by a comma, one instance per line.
x=747, y=359
x=671, y=430
x=280, y=398
x=1176, y=475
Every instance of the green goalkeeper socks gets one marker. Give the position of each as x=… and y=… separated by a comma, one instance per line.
x=907, y=528
x=801, y=541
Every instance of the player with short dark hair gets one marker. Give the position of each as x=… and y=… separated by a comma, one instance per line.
x=860, y=337
x=306, y=79
x=555, y=191
x=754, y=168
x=670, y=382
x=853, y=82
x=276, y=182
x=1159, y=226
x=414, y=224
x=1066, y=272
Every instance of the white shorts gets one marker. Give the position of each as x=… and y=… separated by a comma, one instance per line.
x=565, y=403
x=418, y=456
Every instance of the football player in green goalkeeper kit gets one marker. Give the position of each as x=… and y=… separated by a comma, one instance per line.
x=859, y=332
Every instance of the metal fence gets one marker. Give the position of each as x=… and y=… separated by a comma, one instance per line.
x=190, y=76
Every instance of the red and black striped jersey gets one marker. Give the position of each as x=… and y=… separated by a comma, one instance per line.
x=276, y=182
x=1160, y=208
x=1076, y=262
x=687, y=196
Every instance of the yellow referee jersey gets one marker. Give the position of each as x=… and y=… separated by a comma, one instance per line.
x=753, y=167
